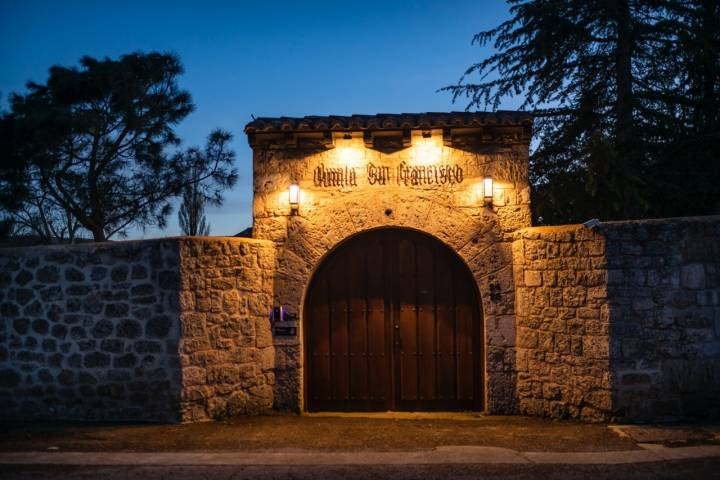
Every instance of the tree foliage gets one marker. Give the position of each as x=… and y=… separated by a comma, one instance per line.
x=191, y=216
x=43, y=219
x=98, y=141
x=625, y=96
x=205, y=187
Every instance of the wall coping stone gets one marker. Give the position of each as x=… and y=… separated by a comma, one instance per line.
x=125, y=243
x=524, y=233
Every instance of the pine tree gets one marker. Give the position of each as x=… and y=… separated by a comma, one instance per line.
x=609, y=88
x=683, y=109
x=98, y=140
x=205, y=187
x=191, y=215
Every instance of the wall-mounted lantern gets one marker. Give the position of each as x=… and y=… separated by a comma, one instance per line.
x=488, y=190
x=294, y=198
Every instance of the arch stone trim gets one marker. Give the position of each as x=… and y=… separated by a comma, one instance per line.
x=487, y=257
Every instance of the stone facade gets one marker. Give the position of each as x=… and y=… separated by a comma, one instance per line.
x=622, y=321
x=226, y=348
x=333, y=209
x=562, y=323
x=127, y=330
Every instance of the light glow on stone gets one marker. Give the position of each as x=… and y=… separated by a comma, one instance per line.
x=349, y=156
x=478, y=192
x=426, y=151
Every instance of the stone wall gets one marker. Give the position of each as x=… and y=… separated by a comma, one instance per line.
x=622, y=321
x=165, y=330
x=90, y=331
x=617, y=322
x=664, y=291
x=562, y=323
x=226, y=349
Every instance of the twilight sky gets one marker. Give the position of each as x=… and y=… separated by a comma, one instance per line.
x=265, y=58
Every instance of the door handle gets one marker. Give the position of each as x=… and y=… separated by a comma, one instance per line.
x=397, y=341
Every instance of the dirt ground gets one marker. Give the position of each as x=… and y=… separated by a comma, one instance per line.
x=330, y=433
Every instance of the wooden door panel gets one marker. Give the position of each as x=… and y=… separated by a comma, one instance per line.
x=338, y=332
x=318, y=340
x=406, y=325
x=357, y=325
x=445, y=330
x=379, y=387
x=426, y=317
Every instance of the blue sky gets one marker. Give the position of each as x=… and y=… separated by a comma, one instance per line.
x=265, y=58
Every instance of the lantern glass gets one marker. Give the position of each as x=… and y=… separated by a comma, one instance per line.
x=488, y=189
x=294, y=195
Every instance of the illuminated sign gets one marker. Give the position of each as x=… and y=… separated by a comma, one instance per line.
x=404, y=174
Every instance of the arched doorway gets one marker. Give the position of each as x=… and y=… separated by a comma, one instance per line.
x=392, y=322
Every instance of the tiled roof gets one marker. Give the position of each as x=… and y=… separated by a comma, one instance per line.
x=387, y=121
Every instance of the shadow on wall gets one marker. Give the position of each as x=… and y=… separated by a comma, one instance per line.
x=90, y=332
x=664, y=298
x=621, y=321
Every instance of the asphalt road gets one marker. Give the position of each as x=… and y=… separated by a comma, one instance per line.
x=686, y=469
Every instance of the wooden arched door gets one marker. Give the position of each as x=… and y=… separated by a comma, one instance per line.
x=392, y=322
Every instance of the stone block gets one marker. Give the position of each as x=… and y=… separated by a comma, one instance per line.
x=635, y=379
x=40, y=326
x=125, y=361
x=533, y=278
x=194, y=376
x=588, y=313
x=9, y=378
x=21, y=325
x=116, y=310
x=595, y=347
x=119, y=273
x=158, y=326
x=139, y=272
x=145, y=346
x=74, y=275
x=23, y=296
x=49, y=275
x=96, y=359
x=551, y=391
x=23, y=277
x=128, y=328
x=574, y=296
x=693, y=276
x=527, y=338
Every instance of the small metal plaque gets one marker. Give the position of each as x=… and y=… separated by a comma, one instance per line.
x=285, y=331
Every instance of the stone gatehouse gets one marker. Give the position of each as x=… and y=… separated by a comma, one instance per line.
x=393, y=266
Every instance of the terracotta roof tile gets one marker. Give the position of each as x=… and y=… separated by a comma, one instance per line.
x=388, y=121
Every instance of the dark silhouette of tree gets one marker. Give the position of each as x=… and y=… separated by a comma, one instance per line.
x=13, y=173
x=41, y=218
x=97, y=140
x=615, y=86
x=191, y=216
x=204, y=187
x=682, y=110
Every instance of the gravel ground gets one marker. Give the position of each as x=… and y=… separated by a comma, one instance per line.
x=316, y=432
